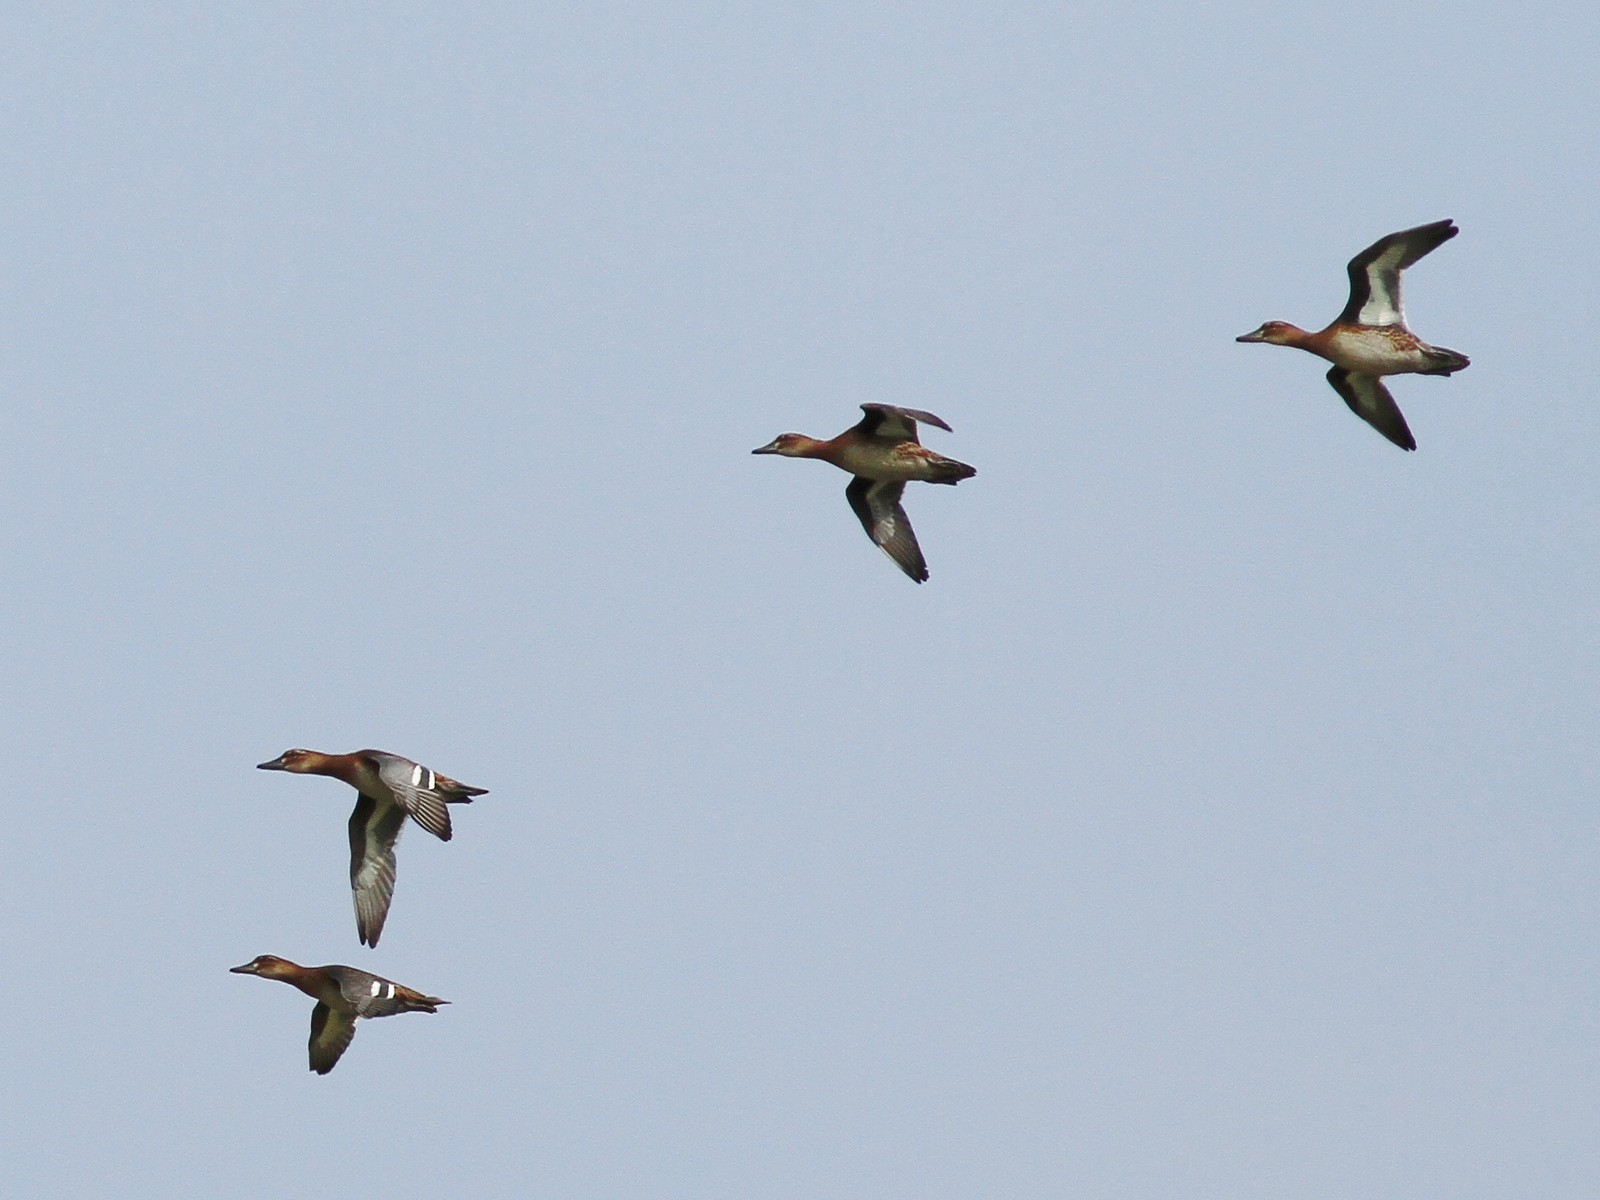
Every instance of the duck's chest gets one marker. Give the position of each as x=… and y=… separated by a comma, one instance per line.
x=883, y=460
x=1374, y=349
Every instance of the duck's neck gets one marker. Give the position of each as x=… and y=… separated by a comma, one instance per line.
x=347, y=768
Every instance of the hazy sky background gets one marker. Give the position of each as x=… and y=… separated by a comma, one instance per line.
x=1219, y=821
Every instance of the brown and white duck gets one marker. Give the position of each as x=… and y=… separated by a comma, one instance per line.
x=1369, y=339
x=883, y=453
x=344, y=995
x=390, y=789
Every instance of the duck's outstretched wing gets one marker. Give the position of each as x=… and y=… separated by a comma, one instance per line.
x=1375, y=273
x=898, y=424
x=877, y=504
x=374, y=829
x=330, y=1034
x=1371, y=401
x=416, y=789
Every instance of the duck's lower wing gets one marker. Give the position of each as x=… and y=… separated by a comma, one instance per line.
x=877, y=504
x=1371, y=401
x=374, y=829
x=330, y=1034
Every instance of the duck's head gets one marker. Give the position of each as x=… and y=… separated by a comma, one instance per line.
x=791, y=445
x=299, y=761
x=1279, y=333
x=268, y=966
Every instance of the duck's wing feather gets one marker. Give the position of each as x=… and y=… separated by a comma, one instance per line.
x=415, y=790
x=370, y=995
x=374, y=829
x=1375, y=273
x=898, y=424
x=1371, y=401
x=877, y=504
x=330, y=1034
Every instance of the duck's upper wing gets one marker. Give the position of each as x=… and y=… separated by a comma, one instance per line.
x=1371, y=401
x=898, y=424
x=877, y=504
x=416, y=790
x=374, y=829
x=1375, y=273
x=369, y=995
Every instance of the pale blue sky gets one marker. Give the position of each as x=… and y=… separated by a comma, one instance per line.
x=1219, y=821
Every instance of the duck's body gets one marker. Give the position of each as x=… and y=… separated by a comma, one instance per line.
x=1370, y=339
x=883, y=454
x=344, y=995
x=390, y=789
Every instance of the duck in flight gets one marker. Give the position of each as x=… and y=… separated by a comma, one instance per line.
x=882, y=452
x=344, y=995
x=1369, y=339
x=389, y=789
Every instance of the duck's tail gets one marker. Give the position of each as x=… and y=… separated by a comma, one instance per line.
x=1444, y=362
x=948, y=470
x=414, y=1001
